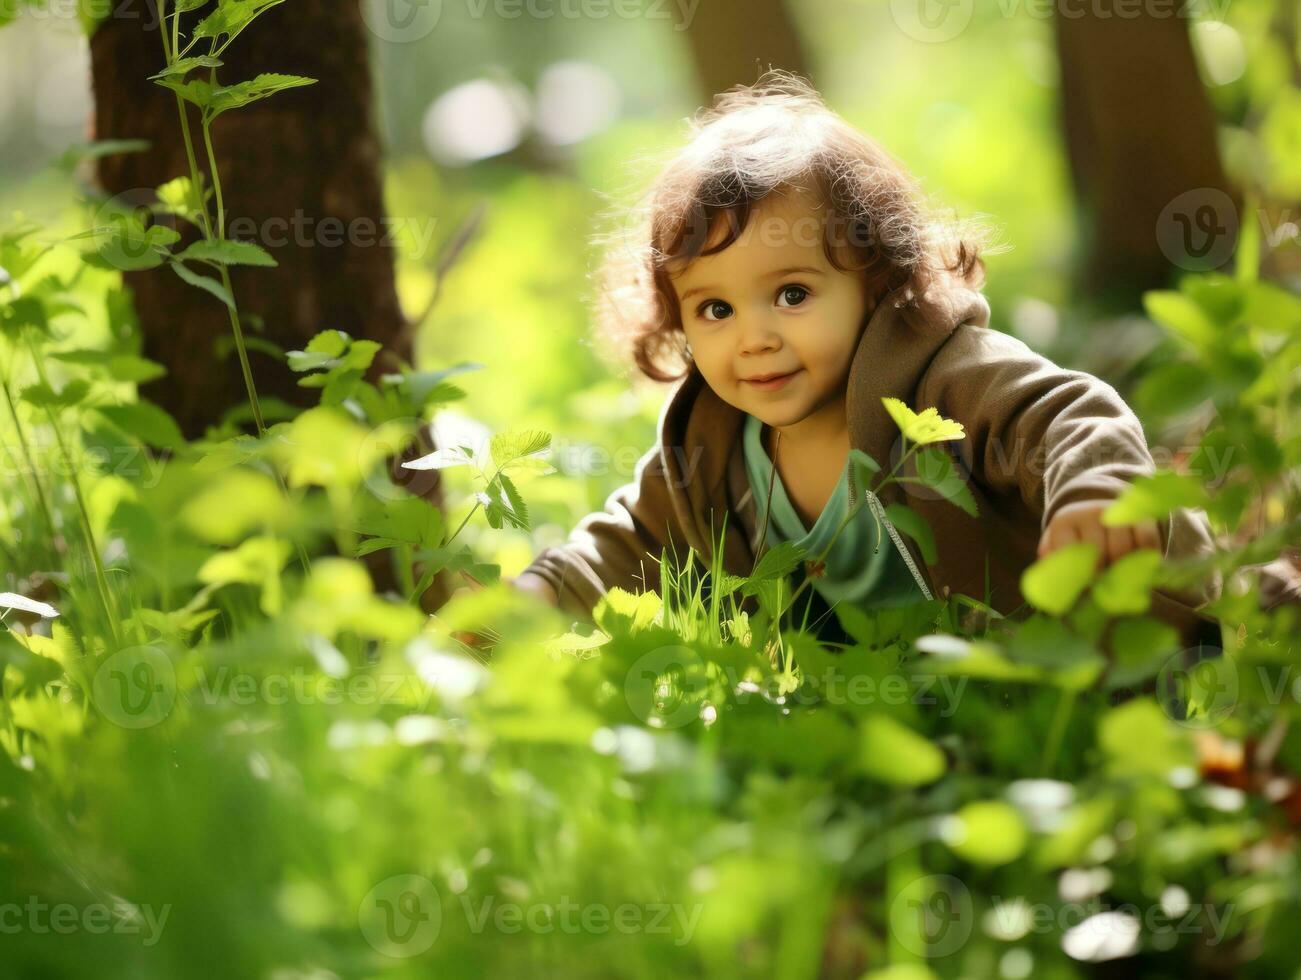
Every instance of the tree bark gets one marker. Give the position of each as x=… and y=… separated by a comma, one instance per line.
x=734, y=41
x=301, y=175
x=1140, y=138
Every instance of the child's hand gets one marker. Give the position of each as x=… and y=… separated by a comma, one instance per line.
x=1082, y=521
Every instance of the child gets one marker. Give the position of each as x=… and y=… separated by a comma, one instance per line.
x=786, y=265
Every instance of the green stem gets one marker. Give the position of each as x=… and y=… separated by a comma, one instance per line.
x=83, y=511
x=426, y=580
x=403, y=558
x=461, y=525
x=467, y=517
x=890, y=476
x=46, y=512
x=220, y=235
x=853, y=512
x=1056, y=732
x=212, y=167
x=344, y=537
x=243, y=357
x=162, y=24
x=196, y=178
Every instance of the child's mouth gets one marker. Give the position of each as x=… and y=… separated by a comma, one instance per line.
x=772, y=383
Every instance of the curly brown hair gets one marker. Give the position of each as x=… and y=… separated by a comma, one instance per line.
x=753, y=140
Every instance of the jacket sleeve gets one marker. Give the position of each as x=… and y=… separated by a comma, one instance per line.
x=1051, y=435
x=616, y=547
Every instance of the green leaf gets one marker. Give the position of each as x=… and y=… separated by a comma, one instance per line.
x=914, y=525
x=331, y=343
x=1140, y=647
x=25, y=669
x=119, y=367
x=1054, y=582
x=955, y=655
x=891, y=752
x=206, y=283
x=924, y=428
x=1138, y=739
x=1273, y=309
x=339, y=596
x=360, y=354
x=257, y=561
x=503, y=505
x=935, y=469
x=862, y=468
x=1172, y=388
x=342, y=363
x=1069, y=660
x=225, y=23
x=146, y=421
x=229, y=252
x=97, y=150
x=987, y=833
x=423, y=388
x=1220, y=298
x=262, y=87
x=324, y=447
x=620, y=612
x=25, y=312
x=1082, y=825
x=195, y=91
x=459, y=559
x=517, y=504
x=182, y=67
x=129, y=245
x=1153, y=497
x=322, y=351
x=777, y=562
x=43, y=396
x=1125, y=588
x=179, y=196
x=337, y=385
x=809, y=742
x=232, y=503
x=411, y=520
x=507, y=447
x=1183, y=317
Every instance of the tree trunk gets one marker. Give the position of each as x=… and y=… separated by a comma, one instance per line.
x=1140, y=135
x=301, y=176
x=734, y=41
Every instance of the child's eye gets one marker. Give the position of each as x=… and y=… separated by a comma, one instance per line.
x=801, y=293
x=713, y=304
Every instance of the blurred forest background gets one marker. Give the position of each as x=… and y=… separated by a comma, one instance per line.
x=440, y=191
x=1092, y=138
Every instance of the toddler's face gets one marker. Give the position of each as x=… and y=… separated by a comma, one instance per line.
x=772, y=304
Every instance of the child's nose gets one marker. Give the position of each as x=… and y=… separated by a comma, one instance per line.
x=759, y=333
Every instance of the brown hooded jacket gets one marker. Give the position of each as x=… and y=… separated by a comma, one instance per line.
x=1038, y=437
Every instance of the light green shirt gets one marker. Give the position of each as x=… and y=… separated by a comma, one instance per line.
x=863, y=567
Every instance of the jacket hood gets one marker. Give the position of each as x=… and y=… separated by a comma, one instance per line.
x=699, y=431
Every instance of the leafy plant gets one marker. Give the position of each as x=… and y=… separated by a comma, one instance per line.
x=206, y=745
